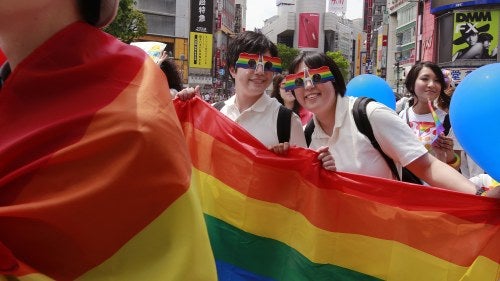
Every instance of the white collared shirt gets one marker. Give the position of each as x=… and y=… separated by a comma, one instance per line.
x=261, y=118
x=352, y=150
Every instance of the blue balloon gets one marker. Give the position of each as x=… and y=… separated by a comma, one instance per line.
x=475, y=117
x=369, y=85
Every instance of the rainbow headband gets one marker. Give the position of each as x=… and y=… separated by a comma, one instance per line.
x=315, y=76
x=252, y=61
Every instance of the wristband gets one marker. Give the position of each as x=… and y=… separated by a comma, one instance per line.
x=456, y=162
x=482, y=190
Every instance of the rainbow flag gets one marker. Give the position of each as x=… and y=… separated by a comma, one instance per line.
x=95, y=172
x=437, y=122
x=275, y=217
x=290, y=81
x=244, y=58
x=276, y=63
x=2, y=58
x=324, y=72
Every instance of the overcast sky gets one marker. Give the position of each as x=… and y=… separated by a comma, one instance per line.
x=259, y=10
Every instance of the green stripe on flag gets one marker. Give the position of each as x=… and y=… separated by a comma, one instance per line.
x=269, y=257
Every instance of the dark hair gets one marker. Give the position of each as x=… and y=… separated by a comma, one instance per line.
x=172, y=73
x=317, y=60
x=485, y=37
x=90, y=10
x=411, y=78
x=249, y=42
x=278, y=78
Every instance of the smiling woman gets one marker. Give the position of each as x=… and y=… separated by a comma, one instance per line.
x=426, y=84
x=334, y=126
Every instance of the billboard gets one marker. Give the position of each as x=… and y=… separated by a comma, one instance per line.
x=475, y=35
x=438, y=6
x=308, y=30
x=200, y=50
x=200, y=35
x=338, y=7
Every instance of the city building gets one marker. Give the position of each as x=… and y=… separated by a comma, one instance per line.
x=376, y=47
x=402, y=35
x=306, y=25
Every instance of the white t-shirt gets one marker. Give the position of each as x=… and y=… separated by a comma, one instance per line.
x=261, y=118
x=484, y=180
x=353, y=151
x=422, y=125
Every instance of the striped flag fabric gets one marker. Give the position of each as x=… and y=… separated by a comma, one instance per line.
x=3, y=58
x=95, y=172
x=275, y=217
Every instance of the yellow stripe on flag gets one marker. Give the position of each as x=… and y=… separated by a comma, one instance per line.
x=360, y=253
x=183, y=240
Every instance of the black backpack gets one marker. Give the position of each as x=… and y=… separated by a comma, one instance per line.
x=283, y=124
x=364, y=127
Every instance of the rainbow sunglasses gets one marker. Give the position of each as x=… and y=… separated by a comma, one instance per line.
x=252, y=61
x=315, y=76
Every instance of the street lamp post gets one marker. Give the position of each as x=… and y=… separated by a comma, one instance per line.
x=397, y=57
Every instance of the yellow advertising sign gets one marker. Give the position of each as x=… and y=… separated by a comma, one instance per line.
x=200, y=50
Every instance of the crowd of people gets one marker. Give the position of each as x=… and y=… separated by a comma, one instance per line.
x=422, y=148
x=43, y=80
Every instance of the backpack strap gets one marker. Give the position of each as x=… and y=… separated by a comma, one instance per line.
x=308, y=131
x=364, y=127
x=219, y=105
x=283, y=125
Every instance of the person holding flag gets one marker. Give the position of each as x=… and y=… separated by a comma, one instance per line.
x=94, y=169
x=426, y=84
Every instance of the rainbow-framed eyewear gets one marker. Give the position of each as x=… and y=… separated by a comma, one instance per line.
x=252, y=61
x=315, y=76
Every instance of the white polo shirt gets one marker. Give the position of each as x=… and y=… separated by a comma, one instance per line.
x=352, y=150
x=260, y=121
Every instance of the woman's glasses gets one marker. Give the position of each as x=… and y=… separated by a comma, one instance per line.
x=315, y=76
x=253, y=61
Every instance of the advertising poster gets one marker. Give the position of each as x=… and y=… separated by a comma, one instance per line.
x=308, y=30
x=438, y=6
x=200, y=50
x=200, y=35
x=338, y=7
x=475, y=35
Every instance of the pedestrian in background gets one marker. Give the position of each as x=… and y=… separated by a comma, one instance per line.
x=287, y=99
x=171, y=72
x=426, y=84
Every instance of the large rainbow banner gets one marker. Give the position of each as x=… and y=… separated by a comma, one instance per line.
x=275, y=217
x=95, y=172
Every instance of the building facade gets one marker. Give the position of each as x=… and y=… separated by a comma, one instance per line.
x=306, y=25
x=466, y=34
